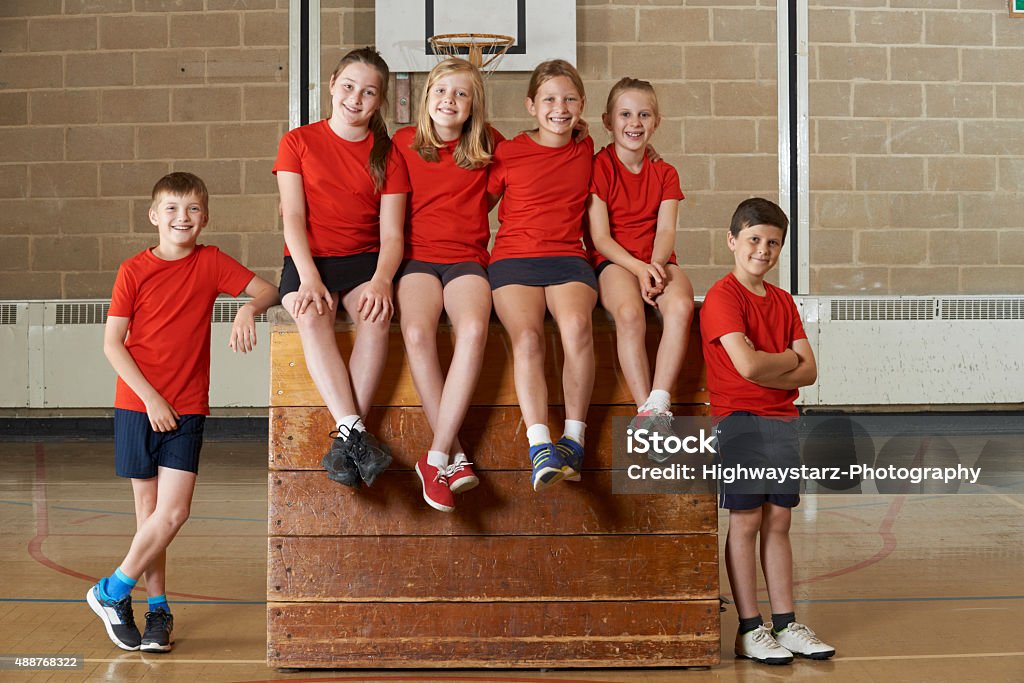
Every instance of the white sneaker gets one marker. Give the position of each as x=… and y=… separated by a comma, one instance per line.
x=802, y=642
x=760, y=646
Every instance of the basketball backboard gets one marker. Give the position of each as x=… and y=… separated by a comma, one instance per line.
x=543, y=29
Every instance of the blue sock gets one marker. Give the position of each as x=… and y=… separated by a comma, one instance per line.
x=159, y=602
x=117, y=585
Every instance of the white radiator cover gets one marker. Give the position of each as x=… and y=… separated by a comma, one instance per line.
x=919, y=350
x=52, y=357
x=871, y=351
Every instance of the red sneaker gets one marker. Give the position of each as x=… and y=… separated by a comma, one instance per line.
x=461, y=477
x=435, y=486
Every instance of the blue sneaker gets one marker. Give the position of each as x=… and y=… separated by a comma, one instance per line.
x=117, y=618
x=547, y=466
x=571, y=453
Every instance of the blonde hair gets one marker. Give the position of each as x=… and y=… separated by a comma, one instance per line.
x=181, y=184
x=630, y=83
x=381, y=140
x=554, y=68
x=475, y=145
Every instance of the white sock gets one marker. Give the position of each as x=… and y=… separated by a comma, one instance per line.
x=658, y=400
x=574, y=430
x=352, y=422
x=538, y=434
x=437, y=459
x=460, y=457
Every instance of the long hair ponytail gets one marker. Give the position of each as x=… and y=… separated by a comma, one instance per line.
x=381, y=140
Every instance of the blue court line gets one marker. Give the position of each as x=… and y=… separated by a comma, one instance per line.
x=960, y=598
x=132, y=514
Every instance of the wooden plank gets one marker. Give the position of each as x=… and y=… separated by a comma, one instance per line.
x=494, y=437
x=485, y=635
x=307, y=503
x=489, y=568
x=291, y=385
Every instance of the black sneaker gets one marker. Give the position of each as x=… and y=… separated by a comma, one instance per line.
x=117, y=618
x=159, y=635
x=338, y=461
x=370, y=456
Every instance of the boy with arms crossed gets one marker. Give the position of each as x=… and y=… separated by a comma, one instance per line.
x=757, y=357
x=157, y=337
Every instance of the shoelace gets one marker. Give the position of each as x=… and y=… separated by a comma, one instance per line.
x=339, y=434
x=123, y=608
x=441, y=476
x=762, y=636
x=804, y=633
x=157, y=619
x=456, y=468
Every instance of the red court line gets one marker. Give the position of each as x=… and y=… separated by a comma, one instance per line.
x=42, y=514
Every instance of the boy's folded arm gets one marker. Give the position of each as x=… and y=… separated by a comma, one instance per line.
x=804, y=374
x=757, y=366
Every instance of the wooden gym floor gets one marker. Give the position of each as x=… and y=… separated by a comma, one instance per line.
x=908, y=588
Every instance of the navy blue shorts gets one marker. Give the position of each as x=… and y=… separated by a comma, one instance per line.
x=753, y=441
x=542, y=271
x=138, y=450
x=445, y=272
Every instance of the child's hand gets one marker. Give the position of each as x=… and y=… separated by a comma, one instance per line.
x=651, y=276
x=243, y=330
x=375, y=301
x=162, y=417
x=315, y=293
x=749, y=343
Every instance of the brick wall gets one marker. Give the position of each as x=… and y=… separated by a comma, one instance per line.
x=917, y=146
x=99, y=98
x=916, y=166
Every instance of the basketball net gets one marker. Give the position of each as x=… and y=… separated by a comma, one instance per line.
x=482, y=50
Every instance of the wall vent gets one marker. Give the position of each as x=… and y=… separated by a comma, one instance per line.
x=878, y=308
x=995, y=308
x=8, y=314
x=224, y=312
x=92, y=313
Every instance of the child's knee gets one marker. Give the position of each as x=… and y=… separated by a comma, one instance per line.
x=528, y=343
x=419, y=337
x=577, y=332
x=472, y=332
x=630, y=320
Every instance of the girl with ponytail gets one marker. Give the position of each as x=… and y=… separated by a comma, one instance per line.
x=343, y=193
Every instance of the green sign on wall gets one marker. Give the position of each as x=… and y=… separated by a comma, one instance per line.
x=1017, y=7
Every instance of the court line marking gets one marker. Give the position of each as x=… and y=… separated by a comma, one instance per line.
x=1011, y=501
x=42, y=517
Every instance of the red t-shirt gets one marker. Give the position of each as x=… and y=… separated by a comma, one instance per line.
x=342, y=206
x=446, y=215
x=633, y=201
x=772, y=323
x=169, y=304
x=545, y=195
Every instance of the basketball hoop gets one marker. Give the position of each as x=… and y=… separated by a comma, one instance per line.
x=482, y=50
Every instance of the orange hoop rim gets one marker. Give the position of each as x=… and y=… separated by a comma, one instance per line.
x=479, y=46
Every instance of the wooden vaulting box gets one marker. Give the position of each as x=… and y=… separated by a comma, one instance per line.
x=573, y=576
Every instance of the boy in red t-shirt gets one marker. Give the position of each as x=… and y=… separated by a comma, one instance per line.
x=157, y=337
x=758, y=357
